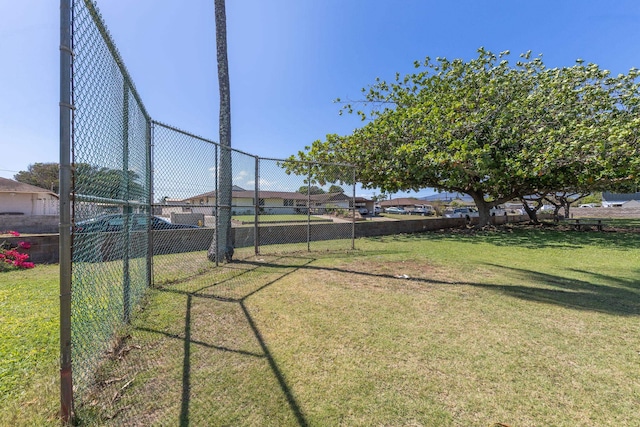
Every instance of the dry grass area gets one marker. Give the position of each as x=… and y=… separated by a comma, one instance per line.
x=521, y=327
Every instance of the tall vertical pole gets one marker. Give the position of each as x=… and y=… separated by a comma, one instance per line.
x=353, y=201
x=256, y=198
x=309, y=209
x=151, y=196
x=216, y=232
x=66, y=107
x=126, y=209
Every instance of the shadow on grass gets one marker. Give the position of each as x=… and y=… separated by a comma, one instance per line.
x=208, y=292
x=595, y=292
x=534, y=237
x=618, y=296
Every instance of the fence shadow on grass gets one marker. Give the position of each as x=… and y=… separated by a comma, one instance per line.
x=233, y=284
x=240, y=277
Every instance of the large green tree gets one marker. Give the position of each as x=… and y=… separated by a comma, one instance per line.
x=43, y=175
x=335, y=189
x=314, y=189
x=491, y=129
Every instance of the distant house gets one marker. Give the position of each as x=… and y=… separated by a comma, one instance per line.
x=24, y=199
x=405, y=202
x=620, y=200
x=448, y=197
x=271, y=202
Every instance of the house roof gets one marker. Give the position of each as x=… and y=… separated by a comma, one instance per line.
x=11, y=186
x=327, y=197
x=362, y=199
x=291, y=195
x=620, y=197
x=269, y=195
x=404, y=201
x=448, y=196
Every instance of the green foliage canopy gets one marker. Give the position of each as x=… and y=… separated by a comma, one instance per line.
x=314, y=189
x=493, y=130
x=335, y=189
x=43, y=175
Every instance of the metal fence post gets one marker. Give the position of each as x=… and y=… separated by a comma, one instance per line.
x=66, y=62
x=256, y=222
x=126, y=279
x=151, y=195
x=353, y=201
x=309, y=209
x=217, y=205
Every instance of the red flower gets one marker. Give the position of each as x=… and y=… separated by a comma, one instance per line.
x=24, y=264
x=9, y=254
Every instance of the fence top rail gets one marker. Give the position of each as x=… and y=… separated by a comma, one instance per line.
x=96, y=199
x=189, y=134
x=106, y=36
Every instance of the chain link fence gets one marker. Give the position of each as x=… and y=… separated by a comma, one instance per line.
x=110, y=191
x=151, y=211
x=269, y=209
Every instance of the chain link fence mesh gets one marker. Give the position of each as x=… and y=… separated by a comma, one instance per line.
x=184, y=166
x=110, y=187
x=154, y=205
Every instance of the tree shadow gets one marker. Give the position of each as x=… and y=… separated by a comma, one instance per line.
x=619, y=297
x=538, y=237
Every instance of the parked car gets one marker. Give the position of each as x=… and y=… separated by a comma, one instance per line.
x=363, y=211
x=115, y=222
x=462, y=213
x=423, y=210
x=376, y=210
x=395, y=210
x=498, y=211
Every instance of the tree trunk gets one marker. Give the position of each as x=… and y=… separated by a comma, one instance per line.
x=222, y=247
x=533, y=213
x=484, y=208
x=556, y=212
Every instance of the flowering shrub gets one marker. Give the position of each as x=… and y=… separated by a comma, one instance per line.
x=10, y=258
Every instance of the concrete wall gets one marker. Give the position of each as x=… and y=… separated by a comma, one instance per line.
x=44, y=248
x=187, y=218
x=107, y=246
x=604, y=212
x=29, y=224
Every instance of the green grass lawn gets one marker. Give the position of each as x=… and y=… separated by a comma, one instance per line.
x=29, y=346
x=524, y=327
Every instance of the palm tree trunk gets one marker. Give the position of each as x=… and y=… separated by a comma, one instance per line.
x=222, y=245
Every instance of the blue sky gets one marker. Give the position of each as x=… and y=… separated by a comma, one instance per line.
x=289, y=59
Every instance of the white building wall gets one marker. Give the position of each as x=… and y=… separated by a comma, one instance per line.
x=29, y=203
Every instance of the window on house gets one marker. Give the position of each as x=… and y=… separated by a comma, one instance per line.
x=288, y=202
